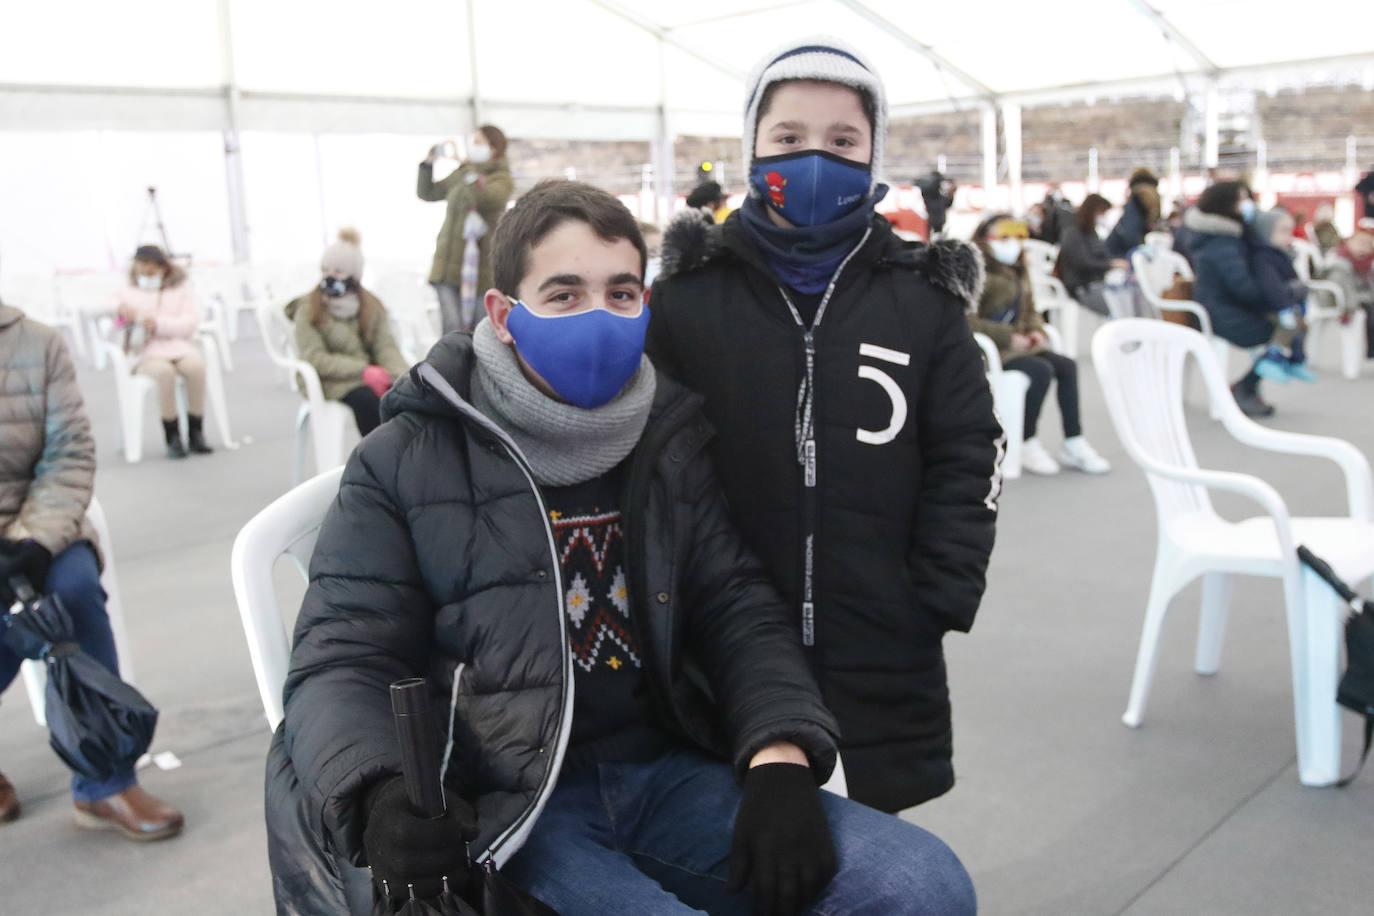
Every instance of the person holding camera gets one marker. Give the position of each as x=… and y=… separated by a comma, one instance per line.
x=476, y=194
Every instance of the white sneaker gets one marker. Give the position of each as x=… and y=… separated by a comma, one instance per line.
x=1078, y=453
x=1035, y=459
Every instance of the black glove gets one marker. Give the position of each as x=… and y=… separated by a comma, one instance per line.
x=29, y=559
x=404, y=848
x=782, y=847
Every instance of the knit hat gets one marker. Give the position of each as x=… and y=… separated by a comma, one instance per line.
x=344, y=256
x=817, y=58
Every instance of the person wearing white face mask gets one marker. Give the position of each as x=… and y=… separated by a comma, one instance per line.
x=1007, y=314
x=342, y=330
x=476, y=194
x=159, y=303
x=1083, y=256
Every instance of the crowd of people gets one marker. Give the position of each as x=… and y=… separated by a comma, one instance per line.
x=745, y=475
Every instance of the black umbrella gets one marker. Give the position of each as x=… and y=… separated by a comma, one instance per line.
x=97, y=724
x=491, y=892
x=1356, y=689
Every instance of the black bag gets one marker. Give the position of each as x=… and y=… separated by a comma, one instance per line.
x=1356, y=689
x=486, y=893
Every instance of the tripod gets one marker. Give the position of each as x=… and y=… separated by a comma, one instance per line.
x=152, y=213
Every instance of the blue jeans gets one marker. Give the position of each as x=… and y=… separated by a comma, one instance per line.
x=75, y=578
x=655, y=838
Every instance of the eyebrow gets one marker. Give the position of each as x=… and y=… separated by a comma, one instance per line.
x=622, y=279
x=840, y=127
x=576, y=280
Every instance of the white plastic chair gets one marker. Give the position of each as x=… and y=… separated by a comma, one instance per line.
x=1321, y=316
x=290, y=526
x=33, y=672
x=132, y=393
x=1140, y=365
x=1052, y=297
x=1040, y=256
x=1009, y=401
x=325, y=422
x=1154, y=267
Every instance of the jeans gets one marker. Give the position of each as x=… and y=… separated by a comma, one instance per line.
x=1044, y=368
x=655, y=838
x=75, y=578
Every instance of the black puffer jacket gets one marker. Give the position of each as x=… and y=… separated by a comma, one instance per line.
x=437, y=560
x=899, y=524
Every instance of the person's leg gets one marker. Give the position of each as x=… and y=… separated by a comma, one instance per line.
x=191, y=367
x=573, y=861
x=450, y=306
x=1066, y=383
x=75, y=578
x=165, y=375
x=1040, y=373
x=366, y=407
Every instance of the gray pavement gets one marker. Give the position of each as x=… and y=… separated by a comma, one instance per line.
x=1059, y=809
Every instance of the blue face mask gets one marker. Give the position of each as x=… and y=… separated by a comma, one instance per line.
x=1247, y=210
x=586, y=358
x=811, y=187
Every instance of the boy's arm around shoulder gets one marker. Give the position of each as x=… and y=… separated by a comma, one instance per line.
x=961, y=445
x=745, y=639
x=366, y=621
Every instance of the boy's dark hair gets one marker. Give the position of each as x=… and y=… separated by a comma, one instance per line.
x=547, y=206
x=706, y=194
x=866, y=100
x=1223, y=198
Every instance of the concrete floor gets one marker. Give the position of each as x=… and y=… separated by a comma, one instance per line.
x=1059, y=809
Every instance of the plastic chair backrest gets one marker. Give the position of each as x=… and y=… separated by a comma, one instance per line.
x=277, y=335
x=1305, y=255
x=1040, y=256
x=1140, y=363
x=290, y=526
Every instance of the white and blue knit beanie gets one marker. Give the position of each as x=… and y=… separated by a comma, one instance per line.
x=816, y=58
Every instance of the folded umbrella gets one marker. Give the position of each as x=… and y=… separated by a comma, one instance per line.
x=1356, y=689
x=97, y=724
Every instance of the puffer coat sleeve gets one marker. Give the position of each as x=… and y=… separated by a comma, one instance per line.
x=961, y=449
x=366, y=621
x=55, y=505
x=742, y=635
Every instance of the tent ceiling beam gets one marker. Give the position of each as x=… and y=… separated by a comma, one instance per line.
x=929, y=53
x=653, y=28
x=752, y=11
x=1171, y=31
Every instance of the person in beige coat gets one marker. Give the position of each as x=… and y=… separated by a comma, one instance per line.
x=159, y=303
x=476, y=194
x=47, y=467
x=342, y=330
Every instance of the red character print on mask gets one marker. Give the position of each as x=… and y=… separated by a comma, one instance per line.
x=775, y=185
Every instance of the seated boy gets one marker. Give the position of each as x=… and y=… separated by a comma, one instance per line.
x=629, y=723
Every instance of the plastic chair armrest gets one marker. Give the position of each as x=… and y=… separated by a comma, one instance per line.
x=990, y=353
x=1240, y=484
x=1359, y=482
x=1334, y=289
x=119, y=360
x=1192, y=308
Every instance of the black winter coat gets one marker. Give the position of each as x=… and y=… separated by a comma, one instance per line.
x=1130, y=230
x=1226, y=282
x=437, y=559
x=899, y=524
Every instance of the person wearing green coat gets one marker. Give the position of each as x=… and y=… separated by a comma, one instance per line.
x=342, y=330
x=476, y=193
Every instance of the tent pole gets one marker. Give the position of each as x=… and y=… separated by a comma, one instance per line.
x=1011, y=127
x=472, y=67
x=989, y=155
x=233, y=151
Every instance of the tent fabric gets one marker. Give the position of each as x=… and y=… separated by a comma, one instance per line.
x=603, y=68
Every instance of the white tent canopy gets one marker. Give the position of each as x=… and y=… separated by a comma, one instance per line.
x=612, y=68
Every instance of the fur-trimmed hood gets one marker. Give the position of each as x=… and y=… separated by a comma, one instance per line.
x=691, y=242
x=1211, y=224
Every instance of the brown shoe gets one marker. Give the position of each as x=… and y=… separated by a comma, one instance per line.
x=134, y=813
x=9, y=801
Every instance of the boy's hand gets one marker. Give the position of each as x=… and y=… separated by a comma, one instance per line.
x=782, y=848
x=404, y=848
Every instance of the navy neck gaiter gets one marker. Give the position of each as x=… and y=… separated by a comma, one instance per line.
x=806, y=257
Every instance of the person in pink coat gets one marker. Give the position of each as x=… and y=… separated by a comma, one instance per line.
x=159, y=306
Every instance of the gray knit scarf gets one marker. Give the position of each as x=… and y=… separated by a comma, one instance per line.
x=564, y=444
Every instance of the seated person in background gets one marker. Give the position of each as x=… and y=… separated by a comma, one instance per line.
x=342, y=330
x=1083, y=256
x=159, y=307
x=1006, y=314
x=516, y=532
x=1241, y=313
x=47, y=468
x=1271, y=260
x=1326, y=235
x=1138, y=217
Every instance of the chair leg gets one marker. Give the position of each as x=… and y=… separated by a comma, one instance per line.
x=1353, y=343
x=1314, y=640
x=131, y=422
x=1161, y=593
x=1211, y=630
x=303, y=436
x=214, y=392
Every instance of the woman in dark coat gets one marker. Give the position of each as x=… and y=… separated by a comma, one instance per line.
x=1138, y=216
x=1083, y=257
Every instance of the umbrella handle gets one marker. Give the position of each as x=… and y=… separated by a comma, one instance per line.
x=410, y=704
x=1328, y=575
